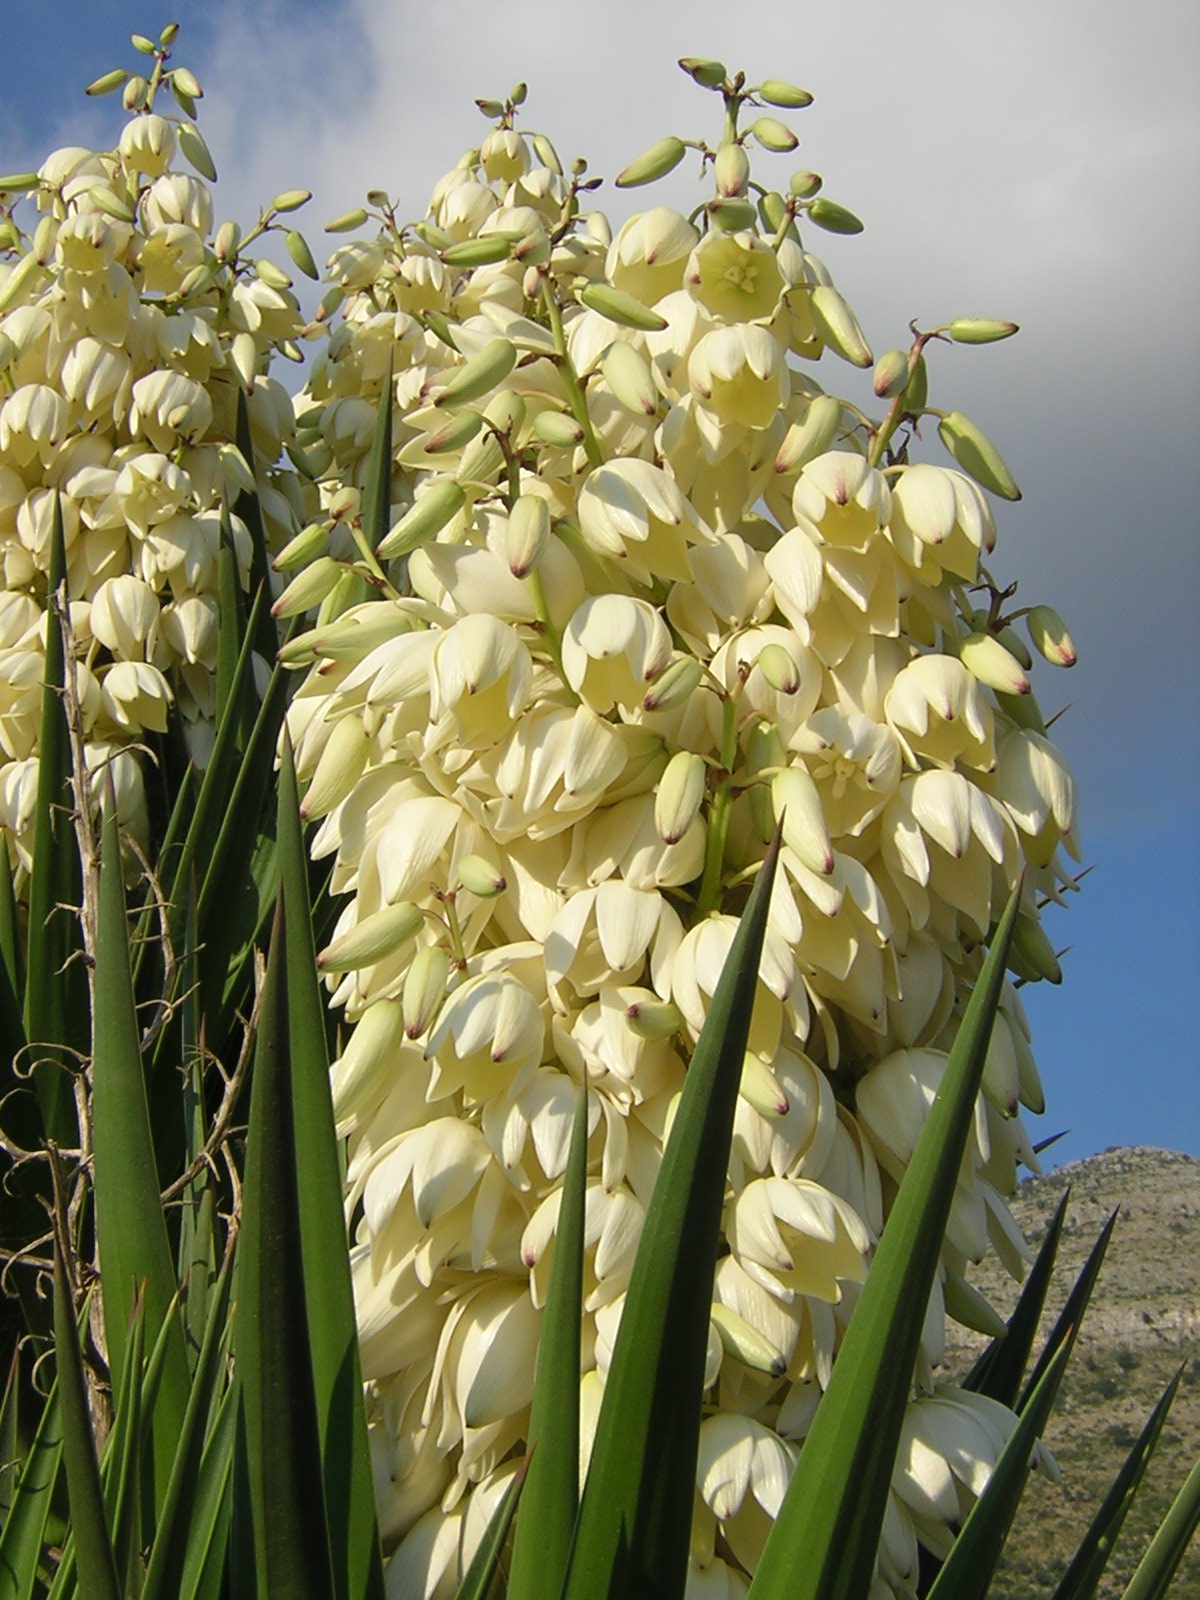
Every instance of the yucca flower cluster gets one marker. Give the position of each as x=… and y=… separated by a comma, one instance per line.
x=650, y=589
x=130, y=321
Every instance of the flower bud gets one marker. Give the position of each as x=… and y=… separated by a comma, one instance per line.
x=760, y=1088
x=977, y=455
x=558, y=429
x=107, y=82
x=917, y=392
x=838, y=326
x=778, y=93
x=806, y=440
x=891, y=373
x=986, y=659
x=795, y=799
x=308, y=588
x=424, y=989
x=679, y=796
x=653, y=163
x=345, y=503
x=190, y=85
x=676, y=683
x=453, y=435
x=18, y=182
x=274, y=277
x=372, y=939
x=480, y=375
x=546, y=153
x=1050, y=638
x=305, y=547
x=226, y=240
x=772, y=210
x=803, y=185
x=628, y=376
x=773, y=134
x=652, y=1019
x=340, y=766
x=731, y=216
x=532, y=249
x=22, y=277
x=778, y=668
x=368, y=1056
x=621, y=308
x=194, y=150
x=428, y=515
x=1033, y=951
x=708, y=74
x=480, y=877
x=526, y=534
x=483, y=252
x=297, y=248
x=743, y=1341
x=141, y=44
x=45, y=236
x=505, y=411
x=347, y=221
x=833, y=218
x=979, y=330
x=480, y=461
x=731, y=170
x=133, y=96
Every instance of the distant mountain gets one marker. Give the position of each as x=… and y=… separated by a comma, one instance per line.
x=1143, y=1323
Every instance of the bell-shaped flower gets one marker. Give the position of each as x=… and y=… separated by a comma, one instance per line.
x=735, y=277
x=33, y=420
x=797, y=1238
x=742, y=1472
x=847, y=500
x=855, y=764
x=938, y=712
x=940, y=522
x=480, y=676
x=552, y=768
x=612, y=648
x=739, y=374
x=96, y=380
x=632, y=511
x=604, y=935
x=136, y=696
x=147, y=144
x=779, y=997
x=1034, y=784
x=647, y=257
x=124, y=617
x=730, y=589
x=178, y=197
x=488, y=1038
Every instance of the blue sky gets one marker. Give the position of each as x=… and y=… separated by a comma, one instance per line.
x=1015, y=160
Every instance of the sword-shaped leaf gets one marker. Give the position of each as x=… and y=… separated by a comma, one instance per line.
x=332, y=1329
x=1152, y=1580
x=477, y=1580
x=636, y=1512
x=24, y=1526
x=246, y=506
x=550, y=1500
x=823, y=1544
x=1000, y=1368
x=1071, y=1315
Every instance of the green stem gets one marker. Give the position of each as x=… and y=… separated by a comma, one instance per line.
x=578, y=405
x=718, y=816
x=897, y=409
x=455, y=930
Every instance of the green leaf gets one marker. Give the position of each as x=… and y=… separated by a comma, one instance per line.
x=9, y=1451
x=131, y=1229
x=231, y=629
x=823, y=1544
x=24, y=1526
x=246, y=506
x=332, y=1328
x=550, y=1501
x=1071, y=1315
x=635, y=1516
x=278, y=1416
x=1081, y=1578
x=376, y=514
x=12, y=968
x=1155, y=1570
x=121, y=1469
x=172, y=1537
x=55, y=989
x=1000, y=1368
x=967, y=1570
x=211, y=1508
x=89, y=1522
x=477, y=1580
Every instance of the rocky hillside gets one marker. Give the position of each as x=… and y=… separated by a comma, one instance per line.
x=1143, y=1323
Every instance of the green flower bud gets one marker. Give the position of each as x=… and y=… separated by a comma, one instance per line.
x=773, y=134
x=806, y=440
x=479, y=375
x=679, y=796
x=369, y=1055
x=778, y=93
x=891, y=373
x=546, y=153
x=297, y=248
x=803, y=185
x=226, y=240
x=188, y=83
x=372, y=939
x=979, y=330
x=917, y=392
x=349, y=590
x=480, y=461
x=833, y=218
x=347, y=221
x=491, y=108
x=731, y=216
x=731, y=170
x=19, y=182
x=677, y=682
x=308, y=588
x=558, y=429
x=1023, y=710
x=478, y=252
x=1033, y=951
x=142, y=45
x=708, y=74
x=621, y=308
x=454, y=434
x=772, y=210
x=22, y=277
x=1050, y=638
x=428, y=515
x=986, y=659
x=1008, y=637
x=628, y=376
x=656, y=162
x=424, y=989
x=107, y=82
x=652, y=1019
x=977, y=455
x=182, y=98
x=778, y=668
x=338, y=770
x=274, y=277
x=533, y=249
x=838, y=326
x=194, y=150
x=516, y=96
x=479, y=877
x=505, y=411
x=104, y=200
x=133, y=96
x=167, y=36
x=345, y=503
x=526, y=533
x=44, y=237
x=305, y=547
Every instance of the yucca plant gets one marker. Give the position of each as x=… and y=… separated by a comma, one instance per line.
x=504, y=473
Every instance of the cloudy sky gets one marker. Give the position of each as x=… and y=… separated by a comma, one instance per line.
x=1021, y=160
